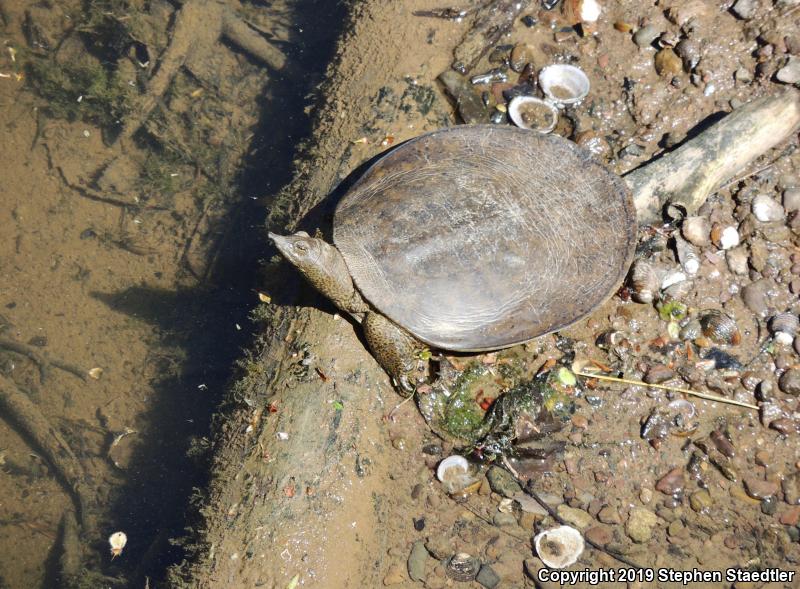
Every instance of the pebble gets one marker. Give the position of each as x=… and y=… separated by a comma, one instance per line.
x=755, y=297
x=646, y=495
x=766, y=209
x=789, y=382
x=672, y=482
x=789, y=518
x=700, y=501
x=641, y=524
x=576, y=517
x=726, y=237
x=502, y=483
x=487, y=577
x=696, y=230
x=791, y=199
x=763, y=458
x=791, y=489
x=667, y=63
x=439, y=547
x=521, y=55
x=394, y=576
x=745, y=9
x=416, y=561
x=759, y=489
x=600, y=535
x=737, y=261
x=769, y=505
x=645, y=36
x=677, y=530
x=580, y=421
x=658, y=373
x=532, y=567
x=504, y=520
x=790, y=73
x=609, y=515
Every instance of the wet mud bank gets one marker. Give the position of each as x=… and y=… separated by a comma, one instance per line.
x=317, y=480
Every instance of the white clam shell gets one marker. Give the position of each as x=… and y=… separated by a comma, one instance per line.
x=563, y=83
x=520, y=105
x=453, y=473
x=559, y=547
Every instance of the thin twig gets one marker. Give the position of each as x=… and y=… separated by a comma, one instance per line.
x=707, y=396
x=41, y=360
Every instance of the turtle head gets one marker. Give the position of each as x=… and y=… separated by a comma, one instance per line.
x=321, y=264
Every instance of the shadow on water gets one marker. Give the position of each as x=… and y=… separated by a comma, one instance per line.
x=209, y=323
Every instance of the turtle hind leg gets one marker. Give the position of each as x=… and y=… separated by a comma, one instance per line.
x=397, y=351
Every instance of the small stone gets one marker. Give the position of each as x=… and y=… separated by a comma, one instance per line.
x=737, y=261
x=769, y=505
x=676, y=529
x=658, y=373
x=600, y=535
x=759, y=489
x=580, y=421
x=791, y=489
x=725, y=238
x=521, y=55
x=745, y=9
x=504, y=520
x=696, y=230
x=502, y=483
x=672, y=482
x=700, y=501
x=790, y=517
x=763, y=458
x=790, y=73
x=416, y=561
x=645, y=495
x=791, y=199
x=645, y=36
x=640, y=525
x=766, y=209
x=394, y=576
x=789, y=382
x=609, y=515
x=532, y=567
x=755, y=297
x=576, y=517
x=667, y=63
x=439, y=547
x=487, y=577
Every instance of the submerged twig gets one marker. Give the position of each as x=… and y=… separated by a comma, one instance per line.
x=30, y=420
x=41, y=360
x=706, y=396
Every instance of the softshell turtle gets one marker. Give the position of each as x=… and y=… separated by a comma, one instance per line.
x=480, y=237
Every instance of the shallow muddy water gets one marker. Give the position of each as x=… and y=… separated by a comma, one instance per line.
x=133, y=261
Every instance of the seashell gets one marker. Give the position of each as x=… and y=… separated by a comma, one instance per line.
x=564, y=84
x=645, y=281
x=454, y=474
x=645, y=36
x=689, y=51
x=696, y=230
x=724, y=238
x=668, y=39
x=584, y=13
x=767, y=209
x=559, y=547
x=532, y=113
x=784, y=326
x=720, y=328
x=688, y=256
x=117, y=542
x=595, y=143
x=462, y=567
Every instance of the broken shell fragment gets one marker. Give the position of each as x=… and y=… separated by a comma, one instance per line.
x=531, y=113
x=559, y=547
x=463, y=567
x=454, y=473
x=645, y=281
x=117, y=541
x=564, y=84
x=584, y=13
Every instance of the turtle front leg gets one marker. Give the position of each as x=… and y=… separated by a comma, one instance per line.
x=397, y=351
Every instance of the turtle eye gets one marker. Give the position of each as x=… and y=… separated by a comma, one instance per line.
x=301, y=247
